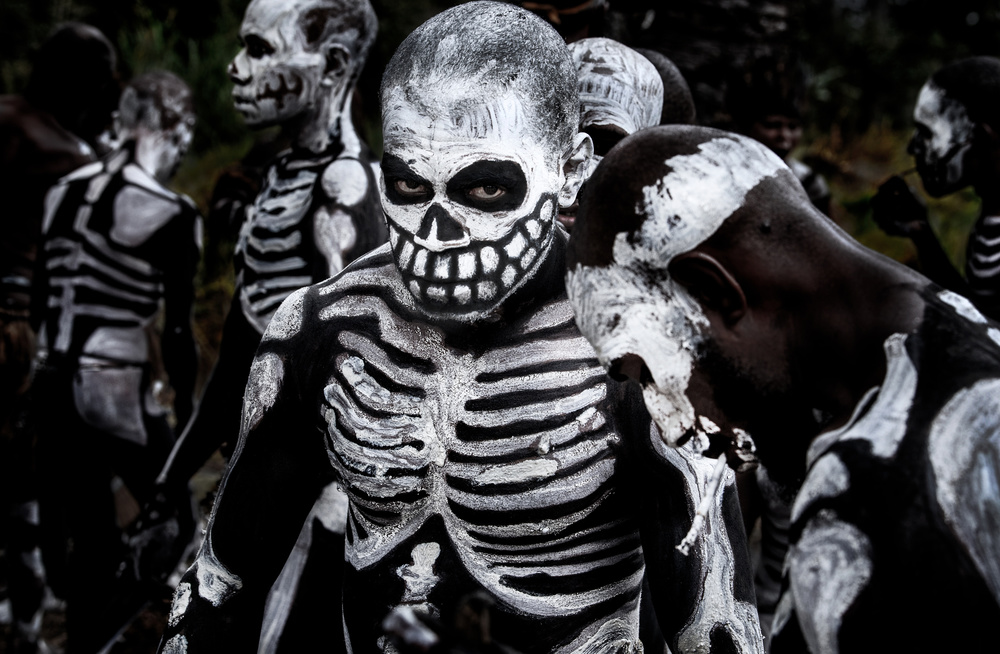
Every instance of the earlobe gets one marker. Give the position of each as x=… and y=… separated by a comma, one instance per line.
x=711, y=284
x=576, y=169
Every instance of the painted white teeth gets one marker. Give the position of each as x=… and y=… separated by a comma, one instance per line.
x=405, y=255
x=516, y=246
x=437, y=294
x=442, y=267
x=462, y=294
x=486, y=290
x=534, y=229
x=547, y=211
x=415, y=289
x=508, y=276
x=420, y=263
x=489, y=258
x=467, y=265
x=528, y=258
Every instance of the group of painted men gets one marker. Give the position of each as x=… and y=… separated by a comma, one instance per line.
x=497, y=387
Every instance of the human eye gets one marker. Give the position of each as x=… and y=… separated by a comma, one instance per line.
x=410, y=189
x=486, y=193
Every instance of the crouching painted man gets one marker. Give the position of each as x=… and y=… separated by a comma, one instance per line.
x=711, y=279
x=482, y=447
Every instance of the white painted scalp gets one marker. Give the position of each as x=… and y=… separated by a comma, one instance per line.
x=618, y=86
x=623, y=309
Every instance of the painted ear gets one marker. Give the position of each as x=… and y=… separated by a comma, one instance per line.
x=576, y=169
x=711, y=284
x=338, y=58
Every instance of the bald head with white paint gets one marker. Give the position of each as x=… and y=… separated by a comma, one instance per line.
x=480, y=116
x=621, y=91
x=299, y=63
x=689, y=183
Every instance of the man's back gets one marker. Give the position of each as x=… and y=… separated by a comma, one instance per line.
x=897, y=504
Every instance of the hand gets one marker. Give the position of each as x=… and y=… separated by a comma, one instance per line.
x=160, y=536
x=897, y=210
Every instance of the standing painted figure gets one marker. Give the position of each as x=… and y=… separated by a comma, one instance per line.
x=318, y=209
x=444, y=383
x=116, y=245
x=956, y=144
x=712, y=281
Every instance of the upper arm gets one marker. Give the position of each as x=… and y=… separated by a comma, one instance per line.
x=346, y=186
x=705, y=596
x=964, y=451
x=279, y=468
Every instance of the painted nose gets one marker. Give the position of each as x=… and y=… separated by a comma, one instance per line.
x=439, y=231
x=234, y=71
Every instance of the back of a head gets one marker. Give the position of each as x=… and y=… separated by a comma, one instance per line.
x=678, y=104
x=74, y=77
x=351, y=23
x=155, y=101
x=665, y=190
x=618, y=86
x=449, y=64
x=975, y=83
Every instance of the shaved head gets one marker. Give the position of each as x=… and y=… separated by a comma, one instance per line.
x=659, y=194
x=485, y=50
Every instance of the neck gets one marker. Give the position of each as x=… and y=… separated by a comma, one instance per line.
x=147, y=154
x=316, y=130
x=840, y=350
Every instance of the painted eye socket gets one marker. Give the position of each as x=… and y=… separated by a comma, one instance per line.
x=257, y=47
x=486, y=193
x=410, y=190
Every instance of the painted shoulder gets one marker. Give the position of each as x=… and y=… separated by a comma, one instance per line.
x=346, y=182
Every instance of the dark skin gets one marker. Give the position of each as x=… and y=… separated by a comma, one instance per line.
x=798, y=310
x=900, y=213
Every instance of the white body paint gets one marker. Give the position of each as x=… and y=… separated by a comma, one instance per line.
x=964, y=450
x=618, y=86
x=951, y=134
x=623, y=309
x=831, y=564
x=719, y=608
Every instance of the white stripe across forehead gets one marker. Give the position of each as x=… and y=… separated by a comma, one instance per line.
x=689, y=204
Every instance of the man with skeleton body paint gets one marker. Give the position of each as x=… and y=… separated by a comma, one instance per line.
x=443, y=380
x=318, y=209
x=117, y=244
x=711, y=280
x=956, y=144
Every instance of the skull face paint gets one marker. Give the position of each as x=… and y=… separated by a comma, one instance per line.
x=470, y=203
x=275, y=75
x=633, y=307
x=942, y=141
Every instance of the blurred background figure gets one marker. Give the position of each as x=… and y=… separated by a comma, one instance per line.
x=45, y=133
x=955, y=144
x=765, y=102
x=573, y=19
x=116, y=245
x=316, y=211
